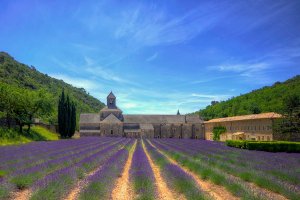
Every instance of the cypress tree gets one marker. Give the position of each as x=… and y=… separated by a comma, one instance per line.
x=73, y=120
x=61, y=117
x=66, y=116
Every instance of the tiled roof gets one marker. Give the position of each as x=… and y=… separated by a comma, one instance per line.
x=145, y=119
x=110, y=109
x=141, y=119
x=269, y=115
x=146, y=126
x=89, y=118
x=111, y=119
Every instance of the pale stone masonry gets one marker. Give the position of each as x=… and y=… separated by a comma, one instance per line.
x=247, y=127
x=111, y=122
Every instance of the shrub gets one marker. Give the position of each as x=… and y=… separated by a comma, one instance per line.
x=236, y=143
x=217, y=131
x=271, y=146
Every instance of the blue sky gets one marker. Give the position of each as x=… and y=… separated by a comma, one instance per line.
x=156, y=56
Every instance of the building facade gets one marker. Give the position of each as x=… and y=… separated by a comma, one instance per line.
x=247, y=127
x=111, y=122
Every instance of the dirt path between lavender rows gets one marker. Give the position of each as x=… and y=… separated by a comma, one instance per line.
x=21, y=195
x=215, y=191
x=259, y=191
x=80, y=185
x=123, y=189
x=163, y=191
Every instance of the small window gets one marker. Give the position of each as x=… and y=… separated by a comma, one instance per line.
x=111, y=132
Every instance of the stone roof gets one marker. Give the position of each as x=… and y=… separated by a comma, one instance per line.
x=140, y=119
x=89, y=118
x=111, y=119
x=111, y=95
x=110, y=109
x=270, y=115
x=193, y=119
x=146, y=119
x=146, y=126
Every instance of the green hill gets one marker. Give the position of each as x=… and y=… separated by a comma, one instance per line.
x=266, y=99
x=26, y=77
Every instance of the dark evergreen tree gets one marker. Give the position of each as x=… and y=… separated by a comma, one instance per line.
x=66, y=116
x=73, y=119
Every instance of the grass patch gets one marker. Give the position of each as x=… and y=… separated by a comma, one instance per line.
x=2, y=173
x=37, y=133
x=23, y=181
x=45, y=133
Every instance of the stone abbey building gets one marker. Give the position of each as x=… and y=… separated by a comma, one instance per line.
x=111, y=122
x=247, y=127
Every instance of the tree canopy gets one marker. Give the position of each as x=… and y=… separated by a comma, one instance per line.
x=266, y=99
x=31, y=83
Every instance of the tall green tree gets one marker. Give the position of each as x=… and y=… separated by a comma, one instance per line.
x=23, y=105
x=66, y=116
x=288, y=128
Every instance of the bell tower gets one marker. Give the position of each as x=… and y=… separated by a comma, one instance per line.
x=111, y=101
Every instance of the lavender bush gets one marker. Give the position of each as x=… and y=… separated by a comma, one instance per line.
x=141, y=174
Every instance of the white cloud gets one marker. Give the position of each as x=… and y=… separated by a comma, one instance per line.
x=76, y=81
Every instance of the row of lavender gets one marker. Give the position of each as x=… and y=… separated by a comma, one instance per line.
x=141, y=174
x=232, y=167
x=66, y=160
x=175, y=177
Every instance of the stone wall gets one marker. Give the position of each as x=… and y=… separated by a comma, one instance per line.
x=111, y=129
x=256, y=129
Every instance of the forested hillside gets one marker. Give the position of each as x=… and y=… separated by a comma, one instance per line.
x=266, y=99
x=18, y=75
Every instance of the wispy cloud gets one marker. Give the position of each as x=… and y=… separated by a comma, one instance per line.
x=105, y=74
x=133, y=101
x=245, y=69
x=77, y=81
x=151, y=26
x=153, y=57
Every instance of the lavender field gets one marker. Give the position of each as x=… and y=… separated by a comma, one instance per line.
x=123, y=168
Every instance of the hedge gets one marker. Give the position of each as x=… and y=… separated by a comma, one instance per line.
x=271, y=146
